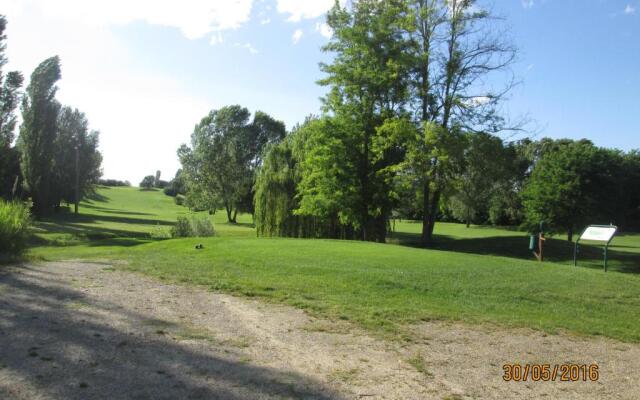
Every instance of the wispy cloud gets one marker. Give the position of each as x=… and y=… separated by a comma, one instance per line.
x=194, y=18
x=297, y=35
x=528, y=3
x=324, y=29
x=247, y=46
x=216, y=38
x=629, y=9
x=304, y=9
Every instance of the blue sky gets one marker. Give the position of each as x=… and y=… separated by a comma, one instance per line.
x=146, y=71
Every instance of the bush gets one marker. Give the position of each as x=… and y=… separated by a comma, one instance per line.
x=148, y=182
x=182, y=228
x=194, y=226
x=179, y=199
x=15, y=223
x=113, y=182
x=202, y=227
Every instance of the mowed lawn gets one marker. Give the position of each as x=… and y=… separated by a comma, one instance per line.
x=476, y=274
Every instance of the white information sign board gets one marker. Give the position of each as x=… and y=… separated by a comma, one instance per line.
x=598, y=233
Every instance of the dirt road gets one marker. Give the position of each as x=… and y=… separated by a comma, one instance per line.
x=89, y=331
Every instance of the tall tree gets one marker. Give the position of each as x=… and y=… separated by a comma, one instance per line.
x=454, y=46
x=76, y=159
x=38, y=132
x=479, y=176
x=9, y=98
x=220, y=166
x=367, y=83
x=572, y=185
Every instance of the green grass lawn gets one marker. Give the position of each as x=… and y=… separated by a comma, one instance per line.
x=475, y=274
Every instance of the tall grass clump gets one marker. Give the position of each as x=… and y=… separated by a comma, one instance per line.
x=15, y=222
x=194, y=226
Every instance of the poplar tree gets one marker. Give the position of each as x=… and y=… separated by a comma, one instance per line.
x=38, y=133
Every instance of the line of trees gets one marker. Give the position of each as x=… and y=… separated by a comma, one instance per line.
x=409, y=128
x=55, y=158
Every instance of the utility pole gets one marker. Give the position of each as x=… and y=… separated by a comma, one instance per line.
x=77, y=191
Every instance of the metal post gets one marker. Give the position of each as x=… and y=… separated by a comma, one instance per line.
x=77, y=191
x=575, y=254
x=605, y=257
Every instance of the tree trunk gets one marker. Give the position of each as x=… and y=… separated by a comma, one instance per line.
x=570, y=234
x=235, y=213
x=426, y=238
x=433, y=211
x=228, y=210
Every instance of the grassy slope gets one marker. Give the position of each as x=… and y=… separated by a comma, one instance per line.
x=378, y=286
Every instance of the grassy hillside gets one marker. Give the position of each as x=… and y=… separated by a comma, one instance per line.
x=473, y=274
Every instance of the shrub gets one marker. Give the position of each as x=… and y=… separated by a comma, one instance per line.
x=194, y=226
x=148, y=182
x=182, y=228
x=179, y=199
x=15, y=222
x=202, y=227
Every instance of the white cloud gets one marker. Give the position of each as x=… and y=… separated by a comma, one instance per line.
x=304, y=9
x=528, y=3
x=216, y=38
x=324, y=29
x=629, y=9
x=194, y=18
x=247, y=46
x=477, y=101
x=265, y=21
x=297, y=35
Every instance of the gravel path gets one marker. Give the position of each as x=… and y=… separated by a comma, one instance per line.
x=88, y=331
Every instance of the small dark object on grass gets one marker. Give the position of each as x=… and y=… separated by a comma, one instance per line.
x=199, y=246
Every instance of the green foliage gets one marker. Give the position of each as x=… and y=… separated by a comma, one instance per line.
x=74, y=139
x=15, y=224
x=176, y=186
x=9, y=93
x=477, y=181
x=113, y=182
x=179, y=199
x=38, y=133
x=182, y=228
x=572, y=185
x=220, y=166
x=192, y=227
x=348, y=167
x=148, y=182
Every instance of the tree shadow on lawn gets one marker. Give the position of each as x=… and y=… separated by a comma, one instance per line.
x=57, y=343
x=112, y=210
x=79, y=228
x=517, y=246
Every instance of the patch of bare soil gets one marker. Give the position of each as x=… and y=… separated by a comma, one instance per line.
x=86, y=331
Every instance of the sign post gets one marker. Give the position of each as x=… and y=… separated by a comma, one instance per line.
x=596, y=233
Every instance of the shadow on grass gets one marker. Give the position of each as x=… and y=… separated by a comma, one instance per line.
x=517, y=246
x=112, y=210
x=56, y=338
x=82, y=229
